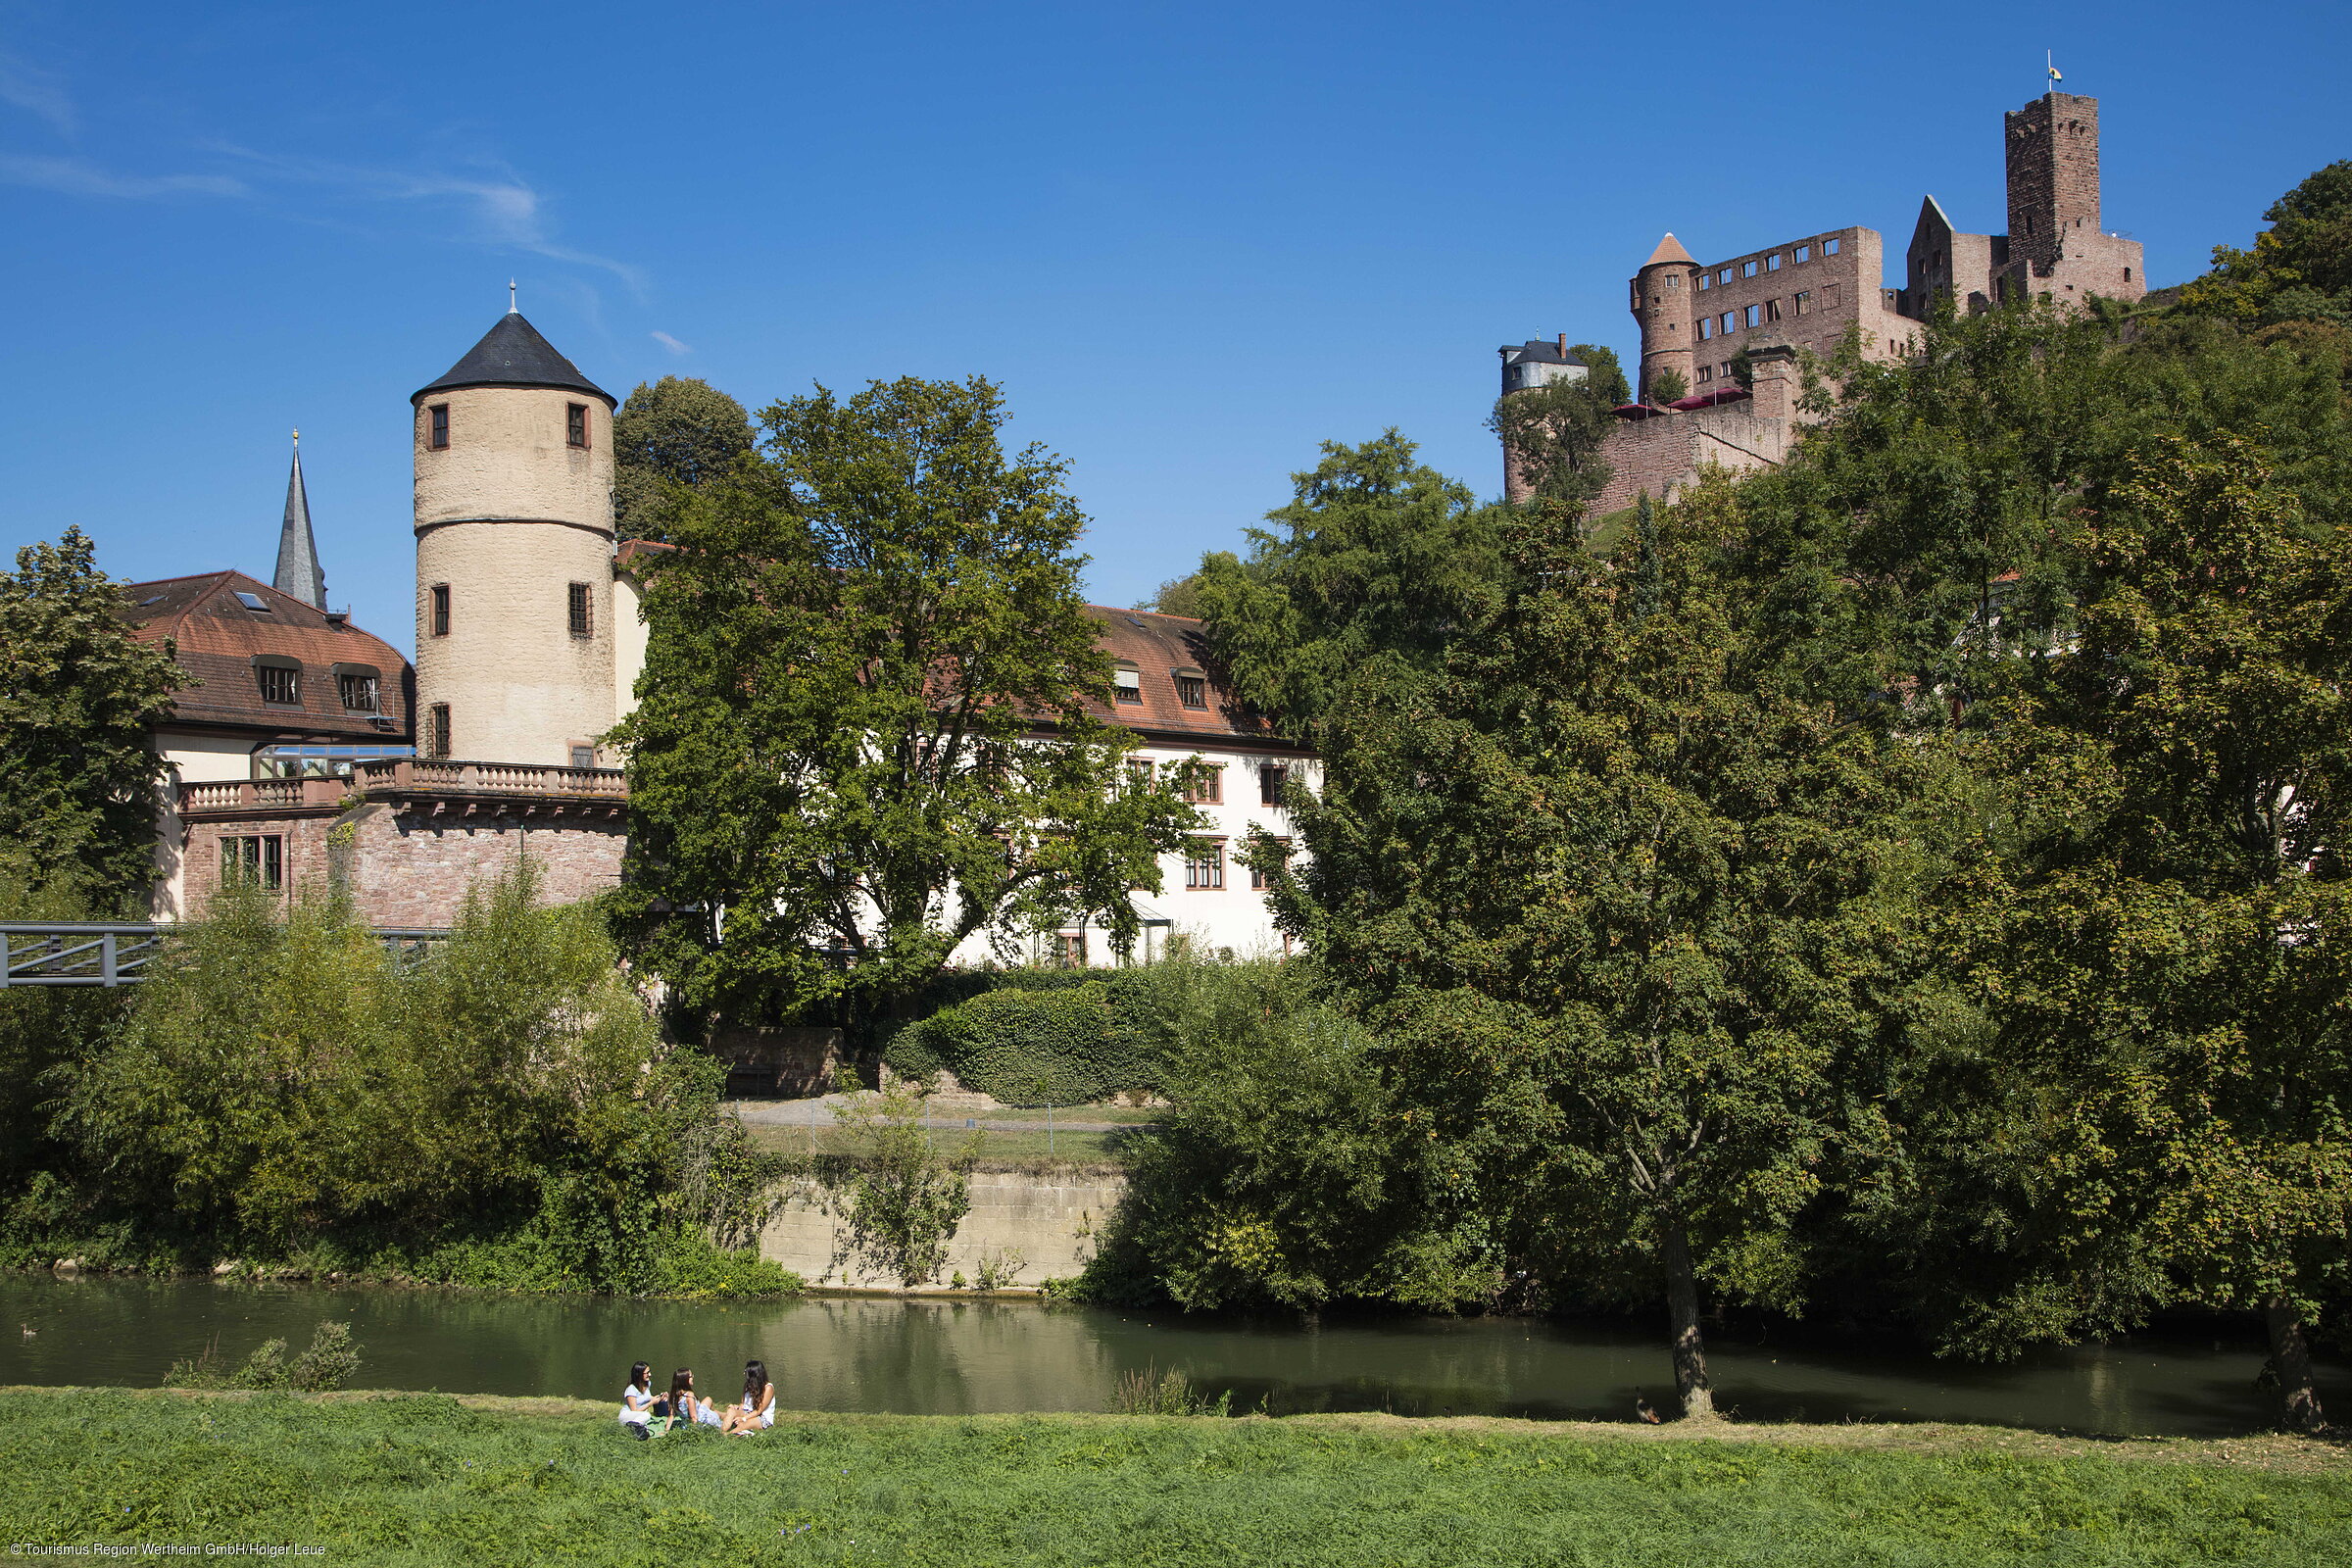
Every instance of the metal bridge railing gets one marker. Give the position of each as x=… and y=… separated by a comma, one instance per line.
x=100, y=952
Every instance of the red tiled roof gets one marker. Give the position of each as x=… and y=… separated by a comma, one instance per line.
x=1158, y=646
x=214, y=639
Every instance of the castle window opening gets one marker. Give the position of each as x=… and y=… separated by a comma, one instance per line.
x=2127, y=274
x=1705, y=279
x=1270, y=780
x=440, y=610
x=1829, y=296
x=1724, y=276
x=280, y=685
x=576, y=425
x=1747, y=269
x=579, y=608
x=1756, y=315
x=1804, y=301
x=1208, y=786
x=436, y=730
x=1672, y=281
x=1191, y=690
x=257, y=860
x=1805, y=254
x=1829, y=247
x=1772, y=309
x=1730, y=321
x=1127, y=684
x=438, y=416
x=1205, y=865
x=1706, y=374
x=1706, y=328
x=1772, y=263
x=583, y=755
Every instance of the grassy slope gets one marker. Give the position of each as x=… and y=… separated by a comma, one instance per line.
x=399, y=1479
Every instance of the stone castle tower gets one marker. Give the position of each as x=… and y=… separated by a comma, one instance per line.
x=1663, y=290
x=513, y=511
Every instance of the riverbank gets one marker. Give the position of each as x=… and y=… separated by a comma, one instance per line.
x=425, y=1477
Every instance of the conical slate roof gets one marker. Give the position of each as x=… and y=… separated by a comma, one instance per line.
x=1669, y=249
x=514, y=354
x=298, y=574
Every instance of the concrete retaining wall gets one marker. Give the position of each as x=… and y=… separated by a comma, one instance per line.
x=1055, y=1222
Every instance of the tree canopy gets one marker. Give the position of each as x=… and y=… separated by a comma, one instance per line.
x=868, y=727
x=78, y=699
x=672, y=435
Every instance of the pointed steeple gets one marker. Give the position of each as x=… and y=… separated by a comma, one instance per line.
x=1669, y=249
x=298, y=573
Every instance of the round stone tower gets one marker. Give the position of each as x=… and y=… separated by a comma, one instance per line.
x=1663, y=291
x=514, y=465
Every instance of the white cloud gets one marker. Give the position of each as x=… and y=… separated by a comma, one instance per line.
x=37, y=92
x=78, y=177
x=504, y=209
x=670, y=343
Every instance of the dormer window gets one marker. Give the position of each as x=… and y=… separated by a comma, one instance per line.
x=576, y=425
x=1129, y=684
x=1192, y=688
x=438, y=426
x=277, y=679
x=359, y=687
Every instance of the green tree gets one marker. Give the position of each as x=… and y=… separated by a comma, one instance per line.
x=1178, y=596
x=2298, y=270
x=1377, y=556
x=2163, y=952
x=1552, y=435
x=78, y=699
x=1623, y=913
x=1667, y=385
x=868, y=725
x=671, y=435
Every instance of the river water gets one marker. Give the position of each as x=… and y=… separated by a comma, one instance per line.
x=956, y=1357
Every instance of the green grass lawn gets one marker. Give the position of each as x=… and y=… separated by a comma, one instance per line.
x=430, y=1479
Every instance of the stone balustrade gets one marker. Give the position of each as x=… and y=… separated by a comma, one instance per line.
x=423, y=775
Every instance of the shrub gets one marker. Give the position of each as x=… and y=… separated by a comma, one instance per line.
x=1030, y=1047
x=327, y=1363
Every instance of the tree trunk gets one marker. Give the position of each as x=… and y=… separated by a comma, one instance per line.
x=2290, y=1354
x=1682, y=1317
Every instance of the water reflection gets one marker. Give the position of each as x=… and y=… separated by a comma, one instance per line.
x=956, y=1357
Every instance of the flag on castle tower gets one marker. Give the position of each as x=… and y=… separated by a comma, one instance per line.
x=2050, y=61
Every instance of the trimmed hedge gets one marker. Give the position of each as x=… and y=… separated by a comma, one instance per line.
x=1033, y=1038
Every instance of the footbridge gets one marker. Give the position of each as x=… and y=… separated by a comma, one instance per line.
x=107, y=953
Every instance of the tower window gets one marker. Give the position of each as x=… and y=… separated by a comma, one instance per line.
x=436, y=730
x=1829, y=247
x=1706, y=326
x=583, y=626
x=576, y=425
x=1705, y=279
x=438, y=414
x=1756, y=315
x=256, y=859
x=440, y=610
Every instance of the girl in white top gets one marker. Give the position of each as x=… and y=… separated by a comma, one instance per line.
x=637, y=1399
x=757, y=1411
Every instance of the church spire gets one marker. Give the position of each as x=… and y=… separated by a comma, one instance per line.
x=298, y=573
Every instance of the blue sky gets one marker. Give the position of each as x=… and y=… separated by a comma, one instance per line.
x=1191, y=241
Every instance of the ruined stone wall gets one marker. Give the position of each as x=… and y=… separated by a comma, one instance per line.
x=414, y=869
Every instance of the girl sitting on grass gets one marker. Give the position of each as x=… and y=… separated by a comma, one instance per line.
x=683, y=1405
x=637, y=1399
x=757, y=1411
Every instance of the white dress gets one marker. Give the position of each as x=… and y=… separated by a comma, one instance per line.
x=636, y=1405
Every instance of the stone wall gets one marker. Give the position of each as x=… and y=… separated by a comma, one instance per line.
x=1055, y=1222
